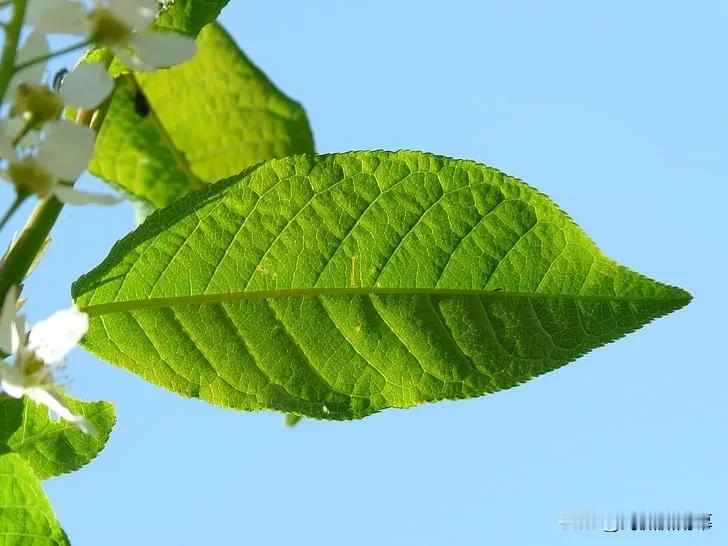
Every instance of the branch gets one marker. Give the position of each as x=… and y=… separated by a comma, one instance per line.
x=10, y=48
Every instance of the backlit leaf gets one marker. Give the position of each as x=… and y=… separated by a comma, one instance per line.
x=176, y=130
x=53, y=447
x=340, y=285
x=26, y=516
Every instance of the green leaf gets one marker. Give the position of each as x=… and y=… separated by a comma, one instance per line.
x=188, y=16
x=26, y=516
x=339, y=285
x=291, y=419
x=50, y=447
x=172, y=131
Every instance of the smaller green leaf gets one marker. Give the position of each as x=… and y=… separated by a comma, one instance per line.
x=292, y=419
x=26, y=516
x=51, y=447
x=204, y=120
x=188, y=16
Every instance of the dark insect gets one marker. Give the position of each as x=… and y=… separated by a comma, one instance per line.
x=141, y=104
x=58, y=79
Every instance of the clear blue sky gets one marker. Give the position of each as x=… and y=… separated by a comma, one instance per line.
x=617, y=110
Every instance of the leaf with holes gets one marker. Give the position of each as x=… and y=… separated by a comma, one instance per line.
x=176, y=130
x=51, y=447
x=339, y=285
x=26, y=516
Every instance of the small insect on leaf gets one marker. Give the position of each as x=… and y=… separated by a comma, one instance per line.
x=141, y=104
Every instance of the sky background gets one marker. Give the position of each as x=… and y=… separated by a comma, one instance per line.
x=617, y=111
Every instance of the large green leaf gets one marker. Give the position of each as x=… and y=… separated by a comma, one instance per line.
x=53, y=447
x=188, y=16
x=208, y=119
x=26, y=516
x=339, y=285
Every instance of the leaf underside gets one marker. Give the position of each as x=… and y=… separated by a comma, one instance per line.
x=26, y=516
x=204, y=120
x=55, y=447
x=337, y=286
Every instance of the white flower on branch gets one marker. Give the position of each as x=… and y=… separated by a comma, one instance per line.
x=122, y=25
x=85, y=87
x=37, y=353
x=44, y=162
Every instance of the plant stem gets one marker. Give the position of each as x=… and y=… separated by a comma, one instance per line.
x=29, y=243
x=13, y=207
x=47, y=56
x=10, y=48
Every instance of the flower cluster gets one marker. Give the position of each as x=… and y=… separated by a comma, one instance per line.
x=40, y=153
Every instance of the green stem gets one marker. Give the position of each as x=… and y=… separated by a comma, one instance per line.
x=29, y=243
x=14, y=207
x=10, y=47
x=47, y=56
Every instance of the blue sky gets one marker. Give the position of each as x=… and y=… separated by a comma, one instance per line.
x=617, y=111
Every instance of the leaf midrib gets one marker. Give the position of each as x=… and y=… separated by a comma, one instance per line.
x=198, y=299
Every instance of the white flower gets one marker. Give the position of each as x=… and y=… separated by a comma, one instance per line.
x=61, y=150
x=36, y=353
x=58, y=154
x=85, y=87
x=119, y=24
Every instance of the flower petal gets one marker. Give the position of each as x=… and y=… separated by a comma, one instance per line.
x=7, y=320
x=138, y=14
x=72, y=196
x=10, y=127
x=7, y=131
x=58, y=17
x=157, y=49
x=87, y=86
x=67, y=149
x=36, y=45
x=130, y=60
x=31, y=140
x=47, y=396
x=53, y=338
x=11, y=380
x=19, y=335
